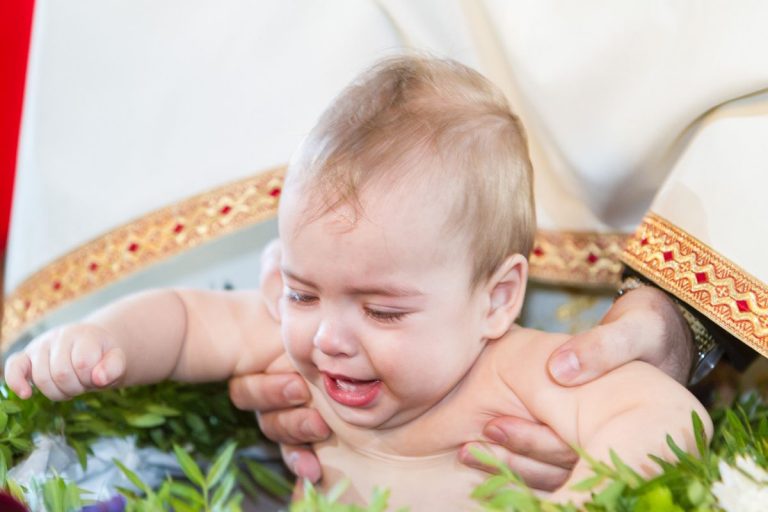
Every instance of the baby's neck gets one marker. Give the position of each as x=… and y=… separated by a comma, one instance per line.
x=407, y=439
x=440, y=429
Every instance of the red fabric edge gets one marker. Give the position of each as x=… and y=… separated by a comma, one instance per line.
x=15, y=29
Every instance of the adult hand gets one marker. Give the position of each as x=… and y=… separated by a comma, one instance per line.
x=278, y=399
x=279, y=394
x=645, y=325
x=532, y=450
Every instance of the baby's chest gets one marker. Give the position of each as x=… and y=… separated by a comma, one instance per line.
x=436, y=482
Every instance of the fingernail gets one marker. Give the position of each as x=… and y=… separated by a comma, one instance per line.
x=294, y=393
x=565, y=366
x=464, y=455
x=308, y=429
x=291, y=461
x=99, y=376
x=495, y=434
x=308, y=471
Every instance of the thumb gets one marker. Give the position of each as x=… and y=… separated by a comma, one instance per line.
x=302, y=461
x=110, y=368
x=18, y=371
x=591, y=354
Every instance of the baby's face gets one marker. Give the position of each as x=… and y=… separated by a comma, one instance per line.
x=378, y=314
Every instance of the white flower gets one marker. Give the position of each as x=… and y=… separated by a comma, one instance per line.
x=743, y=488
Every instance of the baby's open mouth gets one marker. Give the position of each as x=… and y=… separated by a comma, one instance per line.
x=351, y=392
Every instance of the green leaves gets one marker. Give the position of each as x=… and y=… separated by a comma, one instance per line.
x=269, y=480
x=213, y=492
x=201, y=419
x=657, y=499
x=146, y=420
x=682, y=485
x=189, y=467
x=61, y=496
x=313, y=501
x=220, y=465
x=702, y=443
x=198, y=415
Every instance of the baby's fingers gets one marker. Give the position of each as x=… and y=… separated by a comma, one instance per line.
x=18, y=370
x=41, y=373
x=63, y=372
x=86, y=354
x=110, y=368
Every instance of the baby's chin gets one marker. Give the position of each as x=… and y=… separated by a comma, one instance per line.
x=375, y=416
x=383, y=413
x=379, y=416
x=359, y=419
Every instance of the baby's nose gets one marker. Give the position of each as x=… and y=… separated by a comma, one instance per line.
x=333, y=340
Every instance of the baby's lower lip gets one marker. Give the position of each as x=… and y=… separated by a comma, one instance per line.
x=351, y=392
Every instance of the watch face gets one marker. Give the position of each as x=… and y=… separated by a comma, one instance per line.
x=704, y=364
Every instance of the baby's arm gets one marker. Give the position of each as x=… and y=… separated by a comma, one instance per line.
x=629, y=410
x=187, y=335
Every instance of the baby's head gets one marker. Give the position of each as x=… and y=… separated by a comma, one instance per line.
x=405, y=219
x=437, y=122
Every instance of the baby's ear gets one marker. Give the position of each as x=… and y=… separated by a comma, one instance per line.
x=506, y=290
x=272, y=290
x=271, y=281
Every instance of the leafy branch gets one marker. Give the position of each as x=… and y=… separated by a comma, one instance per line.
x=201, y=419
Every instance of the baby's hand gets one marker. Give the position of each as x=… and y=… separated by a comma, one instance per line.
x=65, y=362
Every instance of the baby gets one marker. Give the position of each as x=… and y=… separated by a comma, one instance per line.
x=404, y=222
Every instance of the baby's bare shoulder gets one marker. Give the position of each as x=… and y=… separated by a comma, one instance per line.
x=521, y=346
x=519, y=359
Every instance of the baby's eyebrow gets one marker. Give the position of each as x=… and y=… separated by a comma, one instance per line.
x=386, y=290
x=295, y=277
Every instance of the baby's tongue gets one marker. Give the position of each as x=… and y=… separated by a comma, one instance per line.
x=352, y=392
x=352, y=385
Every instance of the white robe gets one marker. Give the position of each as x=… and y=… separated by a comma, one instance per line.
x=652, y=110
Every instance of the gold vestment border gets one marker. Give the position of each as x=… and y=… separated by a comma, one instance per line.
x=700, y=276
x=562, y=258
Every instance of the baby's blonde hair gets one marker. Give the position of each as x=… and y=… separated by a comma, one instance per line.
x=410, y=109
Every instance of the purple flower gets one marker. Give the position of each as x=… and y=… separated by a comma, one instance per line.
x=115, y=504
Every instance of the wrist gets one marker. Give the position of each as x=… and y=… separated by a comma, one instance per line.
x=664, y=338
x=704, y=350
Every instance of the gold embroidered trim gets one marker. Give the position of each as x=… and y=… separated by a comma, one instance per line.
x=577, y=258
x=132, y=247
x=701, y=277
x=574, y=258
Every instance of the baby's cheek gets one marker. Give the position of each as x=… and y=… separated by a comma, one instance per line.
x=400, y=368
x=296, y=340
